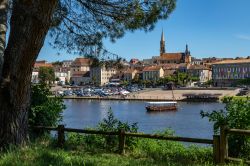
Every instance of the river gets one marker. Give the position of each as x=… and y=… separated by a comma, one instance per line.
x=186, y=122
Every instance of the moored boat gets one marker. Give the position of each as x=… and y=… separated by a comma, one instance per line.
x=162, y=106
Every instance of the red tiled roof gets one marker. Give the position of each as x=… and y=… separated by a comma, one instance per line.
x=198, y=67
x=152, y=68
x=233, y=61
x=81, y=61
x=42, y=64
x=171, y=56
x=171, y=66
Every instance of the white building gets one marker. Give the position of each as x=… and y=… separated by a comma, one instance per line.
x=34, y=77
x=63, y=77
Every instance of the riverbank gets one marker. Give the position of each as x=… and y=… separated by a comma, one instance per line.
x=157, y=94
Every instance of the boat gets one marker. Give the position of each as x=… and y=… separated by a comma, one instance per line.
x=162, y=106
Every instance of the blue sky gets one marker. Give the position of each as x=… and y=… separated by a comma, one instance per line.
x=219, y=28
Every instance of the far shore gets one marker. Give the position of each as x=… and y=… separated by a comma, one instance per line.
x=157, y=94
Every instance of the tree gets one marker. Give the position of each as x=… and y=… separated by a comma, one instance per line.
x=76, y=25
x=46, y=75
x=235, y=115
x=3, y=30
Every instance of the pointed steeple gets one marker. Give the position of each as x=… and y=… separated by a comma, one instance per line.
x=162, y=43
x=162, y=36
x=187, y=51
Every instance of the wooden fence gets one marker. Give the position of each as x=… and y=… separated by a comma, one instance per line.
x=224, y=132
x=219, y=142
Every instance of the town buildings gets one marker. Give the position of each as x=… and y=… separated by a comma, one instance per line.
x=101, y=75
x=152, y=73
x=229, y=72
x=223, y=71
x=200, y=71
x=129, y=74
x=80, y=71
x=35, y=72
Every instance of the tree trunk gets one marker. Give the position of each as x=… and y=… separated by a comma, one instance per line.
x=3, y=30
x=29, y=24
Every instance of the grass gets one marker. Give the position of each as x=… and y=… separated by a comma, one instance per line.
x=147, y=153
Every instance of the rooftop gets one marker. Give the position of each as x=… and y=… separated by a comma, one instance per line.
x=233, y=61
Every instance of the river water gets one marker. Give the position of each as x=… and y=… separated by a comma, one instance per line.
x=186, y=122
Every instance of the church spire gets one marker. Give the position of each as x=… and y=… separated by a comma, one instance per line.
x=187, y=51
x=162, y=36
x=162, y=43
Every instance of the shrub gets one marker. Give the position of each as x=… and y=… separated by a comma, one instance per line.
x=235, y=115
x=109, y=143
x=45, y=109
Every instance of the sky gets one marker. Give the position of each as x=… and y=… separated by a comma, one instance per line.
x=211, y=28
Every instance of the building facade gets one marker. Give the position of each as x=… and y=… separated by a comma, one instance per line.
x=129, y=75
x=80, y=71
x=101, y=75
x=200, y=71
x=229, y=72
x=152, y=73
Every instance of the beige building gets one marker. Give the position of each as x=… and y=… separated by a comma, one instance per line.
x=152, y=73
x=101, y=75
x=129, y=75
x=80, y=64
x=229, y=72
x=80, y=71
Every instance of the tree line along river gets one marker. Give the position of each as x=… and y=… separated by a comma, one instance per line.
x=185, y=122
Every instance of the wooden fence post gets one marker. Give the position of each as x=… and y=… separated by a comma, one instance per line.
x=121, y=141
x=216, y=149
x=223, y=144
x=60, y=136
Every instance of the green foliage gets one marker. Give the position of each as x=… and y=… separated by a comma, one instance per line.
x=46, y=75
x=85, y=35
x=245, y=81
x=108, y=143
x=236, y=115
x=124, y=83
x=148, y=152
x=45, y=110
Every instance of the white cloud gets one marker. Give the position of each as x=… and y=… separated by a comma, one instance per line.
x=243, y=37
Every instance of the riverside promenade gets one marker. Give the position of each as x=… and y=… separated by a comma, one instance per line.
x=152, y=94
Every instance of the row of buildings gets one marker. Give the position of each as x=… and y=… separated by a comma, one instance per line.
x=222, y=71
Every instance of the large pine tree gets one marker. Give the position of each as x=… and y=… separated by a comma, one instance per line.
x=75, y=25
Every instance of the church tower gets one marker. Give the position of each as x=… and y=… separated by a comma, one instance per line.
x=162, y=44
x=187, y=55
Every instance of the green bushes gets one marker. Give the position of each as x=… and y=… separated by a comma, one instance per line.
x=107, y=143
x=45, y=110
x=236, y=115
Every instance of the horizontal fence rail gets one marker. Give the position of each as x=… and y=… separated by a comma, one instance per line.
x=219, y=142
x=238, y=131
x=171, y=138
x=150, y=136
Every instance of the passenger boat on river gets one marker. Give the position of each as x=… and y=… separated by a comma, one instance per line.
x=162, y=106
